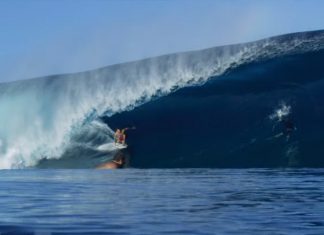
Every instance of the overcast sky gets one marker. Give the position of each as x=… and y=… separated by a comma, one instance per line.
x=43, y=37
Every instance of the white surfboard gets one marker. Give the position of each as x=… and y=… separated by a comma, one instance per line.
x=120, y=146
x=111, y=147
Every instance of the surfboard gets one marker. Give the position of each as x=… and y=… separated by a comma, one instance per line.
x=120, y=146
x=111, y=147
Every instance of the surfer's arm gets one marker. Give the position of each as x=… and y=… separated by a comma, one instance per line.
x=129, y=128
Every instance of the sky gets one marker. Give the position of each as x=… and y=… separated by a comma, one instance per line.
x=44, y=37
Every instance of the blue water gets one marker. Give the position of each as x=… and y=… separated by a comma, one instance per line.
x=156, y=201
x=226, y=122
x=206, y=108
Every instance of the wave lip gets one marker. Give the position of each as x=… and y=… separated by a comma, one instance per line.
x=50, y=112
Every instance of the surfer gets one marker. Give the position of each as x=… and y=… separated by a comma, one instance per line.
x=118, y=162
x=288, y=127
x=120, y=135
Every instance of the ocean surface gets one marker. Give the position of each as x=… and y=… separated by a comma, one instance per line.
x=162, y=201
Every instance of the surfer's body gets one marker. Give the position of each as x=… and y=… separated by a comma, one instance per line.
x=288, y=126
x=287, y=129
x=120, y=136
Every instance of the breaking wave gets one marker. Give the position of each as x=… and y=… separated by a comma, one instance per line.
x=62, y=120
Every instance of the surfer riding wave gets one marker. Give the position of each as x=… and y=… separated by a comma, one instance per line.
x=120, y=135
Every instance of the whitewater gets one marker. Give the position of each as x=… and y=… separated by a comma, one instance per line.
x=61, y=115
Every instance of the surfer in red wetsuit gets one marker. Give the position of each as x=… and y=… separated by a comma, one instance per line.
x=120, y=135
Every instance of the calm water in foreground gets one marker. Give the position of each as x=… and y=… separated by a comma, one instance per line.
x=180, y=201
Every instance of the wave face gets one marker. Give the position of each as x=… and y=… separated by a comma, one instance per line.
x=219, y=107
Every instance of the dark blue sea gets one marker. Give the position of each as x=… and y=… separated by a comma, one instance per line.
x=162, y=201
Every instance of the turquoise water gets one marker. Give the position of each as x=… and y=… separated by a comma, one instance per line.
x=162, y=201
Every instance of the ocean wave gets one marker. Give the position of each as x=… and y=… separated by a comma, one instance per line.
x=44, y=118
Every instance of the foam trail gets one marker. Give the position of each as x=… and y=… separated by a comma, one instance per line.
x=42, y=118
